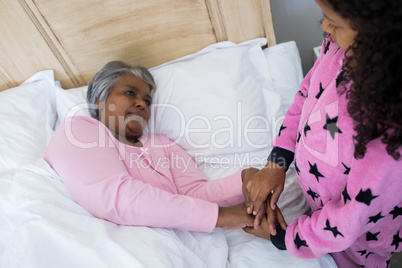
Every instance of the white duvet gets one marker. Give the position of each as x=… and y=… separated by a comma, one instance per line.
x=41, y=226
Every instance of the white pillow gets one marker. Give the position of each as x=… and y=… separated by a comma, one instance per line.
x=71, y=102
x=27, y=116
x=284, y=65
x=217, y=101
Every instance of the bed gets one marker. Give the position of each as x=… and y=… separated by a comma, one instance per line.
x=223, y=86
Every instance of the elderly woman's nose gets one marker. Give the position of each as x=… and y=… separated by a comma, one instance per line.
x=139, y=103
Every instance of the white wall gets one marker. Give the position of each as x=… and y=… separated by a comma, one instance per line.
x=298, y=20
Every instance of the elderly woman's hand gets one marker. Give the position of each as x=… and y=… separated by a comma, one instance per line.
x=234, y=217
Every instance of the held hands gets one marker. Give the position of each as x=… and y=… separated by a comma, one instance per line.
x=259, y=184
x=236, y=217
x=257, y=187
x=260, y=210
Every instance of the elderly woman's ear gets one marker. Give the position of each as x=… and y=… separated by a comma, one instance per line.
x=98, y=105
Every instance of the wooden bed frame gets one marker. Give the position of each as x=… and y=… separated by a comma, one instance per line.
x=76, y=38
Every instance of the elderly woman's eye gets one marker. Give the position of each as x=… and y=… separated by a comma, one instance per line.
x=130, y=93
x=147, y=102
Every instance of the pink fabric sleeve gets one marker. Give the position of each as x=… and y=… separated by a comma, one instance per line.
x=99, y=182
x=225, y=192
x=369, y=199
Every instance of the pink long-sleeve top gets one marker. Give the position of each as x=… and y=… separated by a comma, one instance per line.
x=157, y=185
x=356, y=203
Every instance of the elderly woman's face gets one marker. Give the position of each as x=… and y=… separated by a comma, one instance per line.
x=127, y=109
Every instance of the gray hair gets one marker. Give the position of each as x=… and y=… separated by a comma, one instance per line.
x=105, y=79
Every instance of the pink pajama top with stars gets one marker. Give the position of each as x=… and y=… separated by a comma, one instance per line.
x=157, y=185
x=356, y=204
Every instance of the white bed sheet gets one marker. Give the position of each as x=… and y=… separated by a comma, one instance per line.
x=41, y=225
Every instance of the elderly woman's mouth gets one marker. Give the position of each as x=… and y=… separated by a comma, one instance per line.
x=134, y=114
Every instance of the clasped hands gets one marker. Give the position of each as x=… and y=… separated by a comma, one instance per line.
x=261, y=190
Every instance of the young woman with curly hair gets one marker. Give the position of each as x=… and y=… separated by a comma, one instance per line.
x=344, y=133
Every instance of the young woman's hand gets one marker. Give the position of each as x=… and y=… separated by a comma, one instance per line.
x=258, y=186
x=273, y=217
x=234, y=217
x=246, y=176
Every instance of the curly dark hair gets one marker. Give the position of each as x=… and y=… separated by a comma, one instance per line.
x=375, y=96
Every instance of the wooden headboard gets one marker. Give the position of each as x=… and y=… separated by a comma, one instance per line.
x=76, y=38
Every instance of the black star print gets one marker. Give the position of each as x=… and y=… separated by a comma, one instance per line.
x=347, y=169
x=375, y=218
x=301, y=93
x=326, y=48
x=312, y=194
x=306, y=128
x=300, y=243
x=315, y=172
x=365, y=197
x=298, y=137
x=297, y=168
x=362, y=252
x=321, y=91
x=396, y=212
x=331, y=126
x=334, y=230
x=346, y=196
x=282, y=128
x=337, y=50
x=372, y=237
x=396, y=241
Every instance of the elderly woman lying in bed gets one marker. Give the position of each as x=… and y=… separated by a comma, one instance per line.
x=119, y=174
